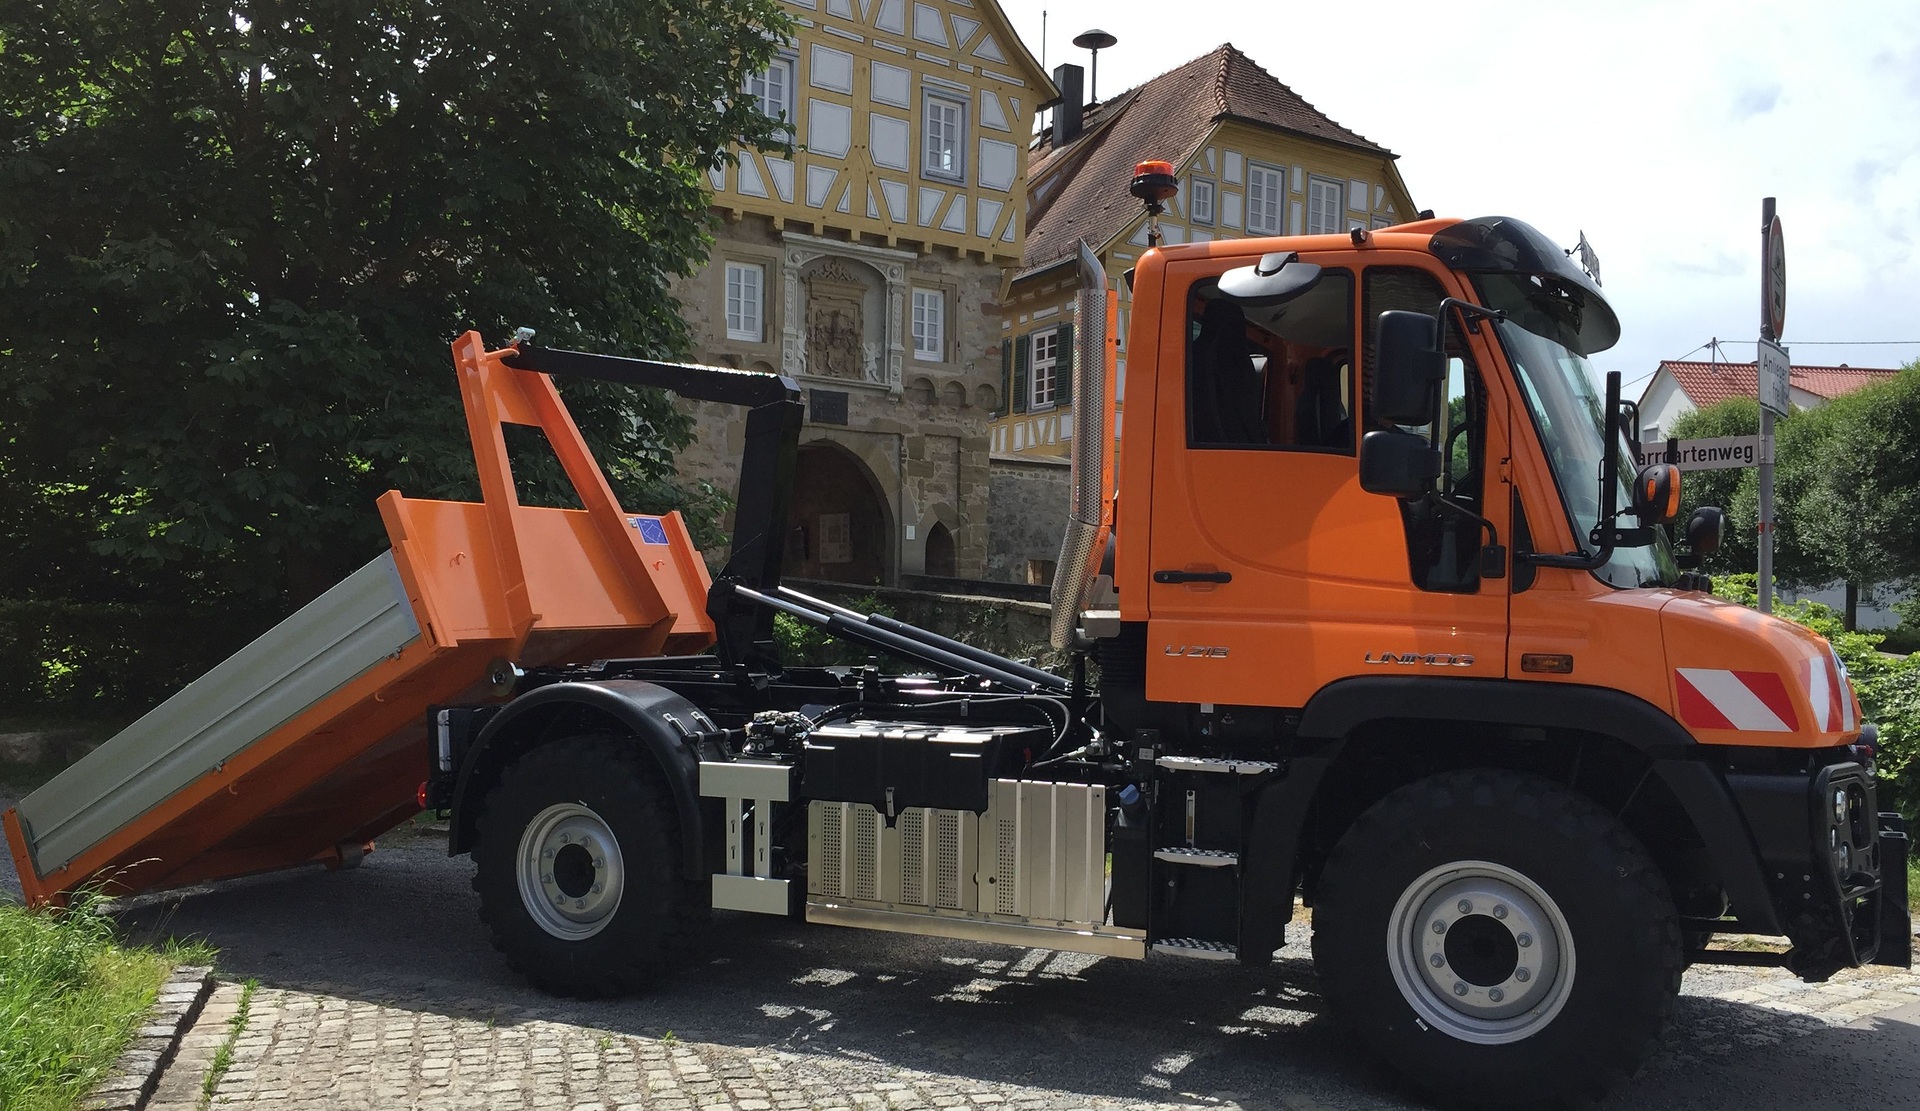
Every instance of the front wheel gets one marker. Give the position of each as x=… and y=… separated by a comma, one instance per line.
x=1498, y=939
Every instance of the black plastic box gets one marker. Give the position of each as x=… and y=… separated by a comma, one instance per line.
x=946, y=767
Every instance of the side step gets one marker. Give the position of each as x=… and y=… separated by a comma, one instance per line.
x=1218, y=766
x=1201, y=858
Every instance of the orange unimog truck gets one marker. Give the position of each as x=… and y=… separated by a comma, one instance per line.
x=1384, y=622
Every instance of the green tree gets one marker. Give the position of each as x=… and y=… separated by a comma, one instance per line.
x=235, y=240
x=1863, y=514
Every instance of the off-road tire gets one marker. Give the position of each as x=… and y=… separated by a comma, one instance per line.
x=1624, y=931
x=661, y=907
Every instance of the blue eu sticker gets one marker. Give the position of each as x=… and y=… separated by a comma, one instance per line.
x=651, y=530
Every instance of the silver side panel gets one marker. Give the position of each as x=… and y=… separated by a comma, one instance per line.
x=1029, y=871
x=331, y=641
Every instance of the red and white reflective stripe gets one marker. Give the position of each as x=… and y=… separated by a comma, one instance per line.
x=1844, y=692
x=1755, y=701
x=1830, y=693
x=1820, y=692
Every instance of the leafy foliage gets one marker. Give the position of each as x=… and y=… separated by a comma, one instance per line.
x=1846, y=486
x=1888, y=685
x=235, y=241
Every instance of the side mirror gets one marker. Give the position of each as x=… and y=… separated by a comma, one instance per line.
x=1656, y=494
x=1399, y=464
x=1408, y=368
x=1706, y=529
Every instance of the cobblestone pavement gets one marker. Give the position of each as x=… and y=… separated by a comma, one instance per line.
x=377, y=991
x=303, y=1049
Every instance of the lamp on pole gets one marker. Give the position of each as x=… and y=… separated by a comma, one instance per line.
x=1095, y=40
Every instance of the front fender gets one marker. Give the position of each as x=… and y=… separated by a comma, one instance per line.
x=1340, y=708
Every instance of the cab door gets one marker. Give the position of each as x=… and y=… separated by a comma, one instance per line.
x=1272, y=572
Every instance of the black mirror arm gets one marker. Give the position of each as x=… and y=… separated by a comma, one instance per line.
x=1470, y=313
x=1631, y=410
x=1493, y=534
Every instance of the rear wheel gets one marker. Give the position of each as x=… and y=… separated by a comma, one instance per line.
x=579, y=869
x=1498, y=939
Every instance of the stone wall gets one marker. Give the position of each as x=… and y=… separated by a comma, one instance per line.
x=837, y=317
x=1027, y=514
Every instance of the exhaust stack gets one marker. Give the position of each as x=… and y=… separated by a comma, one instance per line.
x=1075, y=569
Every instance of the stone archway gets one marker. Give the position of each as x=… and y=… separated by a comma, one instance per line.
x=840, y=528
x=942, y=560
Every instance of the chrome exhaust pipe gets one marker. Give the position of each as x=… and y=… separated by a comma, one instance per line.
x=1076, y=566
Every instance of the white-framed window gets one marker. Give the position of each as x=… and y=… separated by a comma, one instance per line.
x=930, y=325
x=1266, y=198
x=943, y=138
x=1200, y=202
x=773, y=89
x=1326, y=203
x=1040, y=369
x=746, y=318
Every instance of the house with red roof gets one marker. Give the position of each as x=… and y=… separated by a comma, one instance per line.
x=1680, y=387
x=1253, y=157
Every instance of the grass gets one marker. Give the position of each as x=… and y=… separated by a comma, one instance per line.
x=69, y=1000
x=223, y=1056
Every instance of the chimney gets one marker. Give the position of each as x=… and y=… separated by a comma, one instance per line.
x=1067, y=110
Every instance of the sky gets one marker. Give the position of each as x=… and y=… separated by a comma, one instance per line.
x=1655, y=128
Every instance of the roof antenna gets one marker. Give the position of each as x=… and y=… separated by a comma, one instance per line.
x=1095, y=40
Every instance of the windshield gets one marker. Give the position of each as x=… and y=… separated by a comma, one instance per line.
x=1570, y=416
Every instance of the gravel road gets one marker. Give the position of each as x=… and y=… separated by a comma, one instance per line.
x=402, y=932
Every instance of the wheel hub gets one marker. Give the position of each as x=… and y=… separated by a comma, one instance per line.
x=570, y=871
x=1481, y=952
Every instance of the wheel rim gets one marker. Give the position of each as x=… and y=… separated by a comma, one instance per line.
x=570, y=870
x=1481, y=952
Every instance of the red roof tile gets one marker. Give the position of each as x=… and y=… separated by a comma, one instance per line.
x=1079, y=191
x=1710, y=383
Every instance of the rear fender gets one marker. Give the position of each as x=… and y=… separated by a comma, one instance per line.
x=663, y=724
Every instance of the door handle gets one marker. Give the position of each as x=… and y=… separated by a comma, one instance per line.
x=1193, y=576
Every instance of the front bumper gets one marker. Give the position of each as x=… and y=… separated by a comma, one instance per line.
x=1836, y=867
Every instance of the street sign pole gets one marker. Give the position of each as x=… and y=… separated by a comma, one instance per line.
x=1768, y=365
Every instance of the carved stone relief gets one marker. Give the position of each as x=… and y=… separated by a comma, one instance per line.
x=844, y=308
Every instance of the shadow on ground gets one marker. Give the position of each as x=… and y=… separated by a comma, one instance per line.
x=403, y=931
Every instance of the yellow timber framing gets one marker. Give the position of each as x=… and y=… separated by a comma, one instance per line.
x=863, y=79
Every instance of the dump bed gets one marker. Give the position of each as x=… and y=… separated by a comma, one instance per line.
x=311, y=740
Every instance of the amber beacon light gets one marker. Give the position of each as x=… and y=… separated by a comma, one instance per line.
x=1154, y=183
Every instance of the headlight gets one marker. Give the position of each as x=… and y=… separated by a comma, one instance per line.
x=1839, y=806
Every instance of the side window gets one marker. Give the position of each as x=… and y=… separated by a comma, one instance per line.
x=1443, y=536
x=1200, y=202
x=944, y=138
x=1272, y=376
x=1266, y=197
x=773, y=89
x=1324, y=206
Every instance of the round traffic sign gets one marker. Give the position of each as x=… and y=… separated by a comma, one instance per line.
x=1776, y=279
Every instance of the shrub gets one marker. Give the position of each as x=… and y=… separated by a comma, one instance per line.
x=1888, y=686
